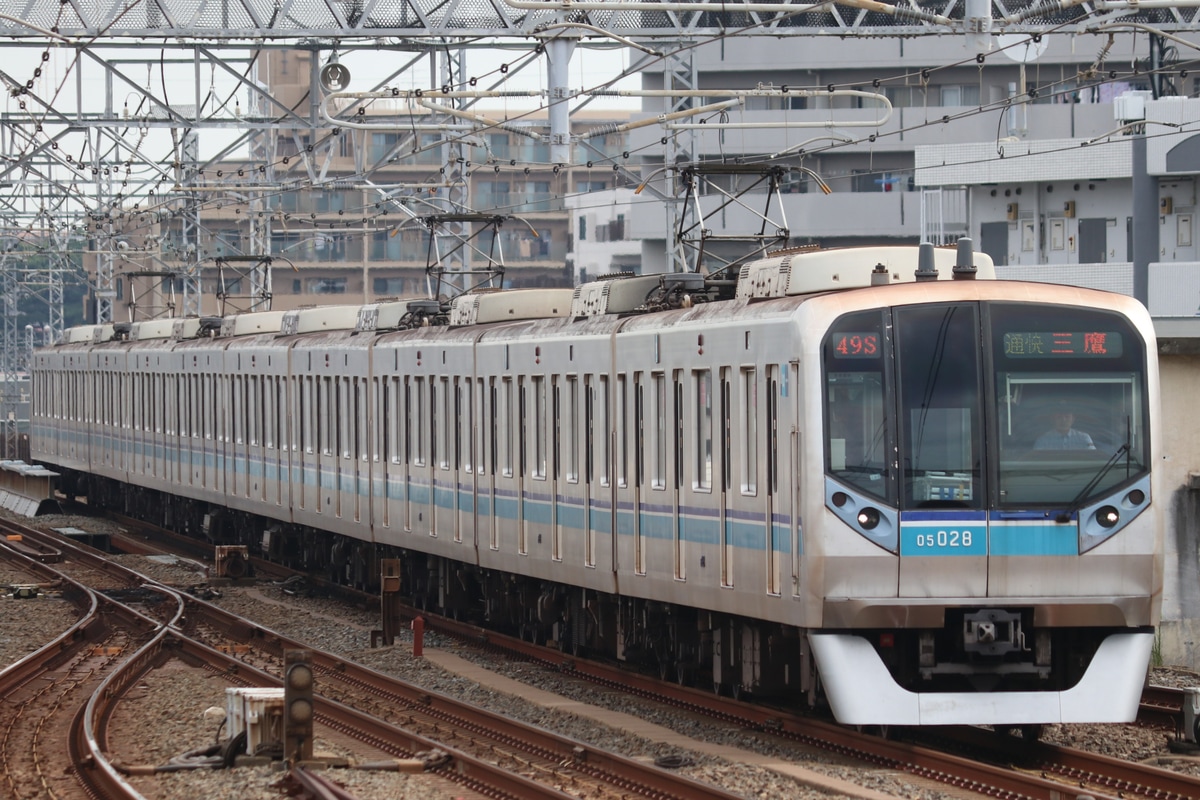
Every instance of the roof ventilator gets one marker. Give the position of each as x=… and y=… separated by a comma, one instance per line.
x=926, y=271
x=964, y=265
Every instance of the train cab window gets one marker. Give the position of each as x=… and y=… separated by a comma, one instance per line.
x=857, y=431
x=1070, y=402
x=940, y=422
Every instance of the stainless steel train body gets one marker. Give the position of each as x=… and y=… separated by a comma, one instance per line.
x=837, y=494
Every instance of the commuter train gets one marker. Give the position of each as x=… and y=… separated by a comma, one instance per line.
x=884, y=483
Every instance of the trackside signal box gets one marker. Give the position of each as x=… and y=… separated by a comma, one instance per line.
x=298, y=707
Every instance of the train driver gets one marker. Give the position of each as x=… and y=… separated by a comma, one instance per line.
x=1063, y=435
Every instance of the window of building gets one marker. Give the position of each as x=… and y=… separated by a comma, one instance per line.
x=326, y=285
x=388, y=286
x=498, y=144
x=383, y=145
x=966, y=94
x=492, y=194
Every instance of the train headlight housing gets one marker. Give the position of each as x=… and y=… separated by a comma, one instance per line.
x=868, y=518
x=1113, y=514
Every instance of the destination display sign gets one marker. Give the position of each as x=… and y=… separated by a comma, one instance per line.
x=1060, y=344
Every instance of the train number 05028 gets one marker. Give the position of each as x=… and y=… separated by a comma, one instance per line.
x=944, y=539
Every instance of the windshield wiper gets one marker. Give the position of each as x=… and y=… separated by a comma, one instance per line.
x=1080, y=498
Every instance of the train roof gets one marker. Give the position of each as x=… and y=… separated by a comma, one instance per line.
x=381, y=316
x=322, y=318
x=509, y=306
x=87, y=334
x=152, y=329
x=815, y=271
x=252, y=323
x=620, y=294
x=800, y=272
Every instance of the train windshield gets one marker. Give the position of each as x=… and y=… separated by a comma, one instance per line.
x=921, y=399
x=1070, y=404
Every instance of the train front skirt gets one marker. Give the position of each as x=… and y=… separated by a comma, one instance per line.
x=861, y=691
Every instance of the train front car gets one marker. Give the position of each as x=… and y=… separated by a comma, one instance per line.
x=988, y=549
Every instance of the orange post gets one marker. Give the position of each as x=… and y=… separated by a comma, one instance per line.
x=418, y=629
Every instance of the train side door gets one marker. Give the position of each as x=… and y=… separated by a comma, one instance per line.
x=725, y=443
x=508, y=480
x=491, y=422
x=639, y=445
x=308, y=476
x=589, y=473
x=793, y=482
x=360, y=389
x=526, y=430
x=555, y=477
x=675, y=470
x=464, y=459
x=411, y=426
x=775, y=534
x=439, y=460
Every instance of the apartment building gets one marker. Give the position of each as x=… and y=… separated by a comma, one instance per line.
x=944, y=101
x=357, y=214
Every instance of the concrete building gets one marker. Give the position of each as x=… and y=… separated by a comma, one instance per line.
x=599, y=243
x=941, y=98
x=344, y=213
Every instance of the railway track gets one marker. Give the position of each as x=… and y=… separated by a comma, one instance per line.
x=491, y=754
x=995, y=768
x=55, y=701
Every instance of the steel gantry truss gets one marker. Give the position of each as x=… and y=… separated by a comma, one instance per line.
x=102, y=173
x=421, y=20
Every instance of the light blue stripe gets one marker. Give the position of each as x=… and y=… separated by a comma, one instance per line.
x=1034, y=539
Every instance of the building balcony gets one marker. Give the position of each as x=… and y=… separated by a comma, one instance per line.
x=903, y=131
x=815, y=215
